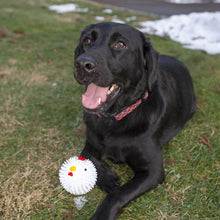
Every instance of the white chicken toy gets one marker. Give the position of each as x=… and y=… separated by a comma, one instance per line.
x=78, y=175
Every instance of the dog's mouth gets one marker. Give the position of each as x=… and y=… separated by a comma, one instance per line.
x=97, y=99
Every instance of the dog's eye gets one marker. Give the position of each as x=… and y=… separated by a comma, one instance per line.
x=120, y=45
x=87, y=41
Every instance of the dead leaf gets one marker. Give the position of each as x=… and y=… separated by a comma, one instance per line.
x=170, y=161
x=40, y=55
x=206, y=141
x=44, y=206
x=81, y=131
x=50, y=62
x=217, y=89
x=12, y=41
x=188, y=155
x=69, y=214
x=174, y=197
x=19, y=32
x=17, y=36
x=3, y=33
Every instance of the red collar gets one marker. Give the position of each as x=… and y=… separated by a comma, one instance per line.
x=130, y=108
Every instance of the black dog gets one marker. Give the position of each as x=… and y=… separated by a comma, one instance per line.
x=135, y=102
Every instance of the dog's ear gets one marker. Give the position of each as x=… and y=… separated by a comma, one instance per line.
x=151, y=58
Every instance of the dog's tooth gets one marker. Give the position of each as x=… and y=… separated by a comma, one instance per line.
x=100, y=100
x=112, y=88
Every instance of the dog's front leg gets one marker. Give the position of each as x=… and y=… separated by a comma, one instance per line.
x=143, y=181
x=107, y=180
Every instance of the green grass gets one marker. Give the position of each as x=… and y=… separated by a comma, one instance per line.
x=41, y=122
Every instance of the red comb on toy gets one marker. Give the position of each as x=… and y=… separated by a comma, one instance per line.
x=81, y=158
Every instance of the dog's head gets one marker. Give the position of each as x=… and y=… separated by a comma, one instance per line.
x=117, y=64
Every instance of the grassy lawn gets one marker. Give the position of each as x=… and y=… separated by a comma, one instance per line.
x=41, y=121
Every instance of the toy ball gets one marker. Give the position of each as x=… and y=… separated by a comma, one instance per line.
x=78, y=175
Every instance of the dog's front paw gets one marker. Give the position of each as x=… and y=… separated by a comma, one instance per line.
x=107, y=181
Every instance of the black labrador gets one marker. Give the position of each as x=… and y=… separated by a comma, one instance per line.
x=135, y=102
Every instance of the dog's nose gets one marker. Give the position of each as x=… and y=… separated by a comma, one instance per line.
x=85, y=65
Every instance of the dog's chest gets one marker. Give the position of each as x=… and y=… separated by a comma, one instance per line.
x=113, y=150
x=118, y=147
x=112, y=140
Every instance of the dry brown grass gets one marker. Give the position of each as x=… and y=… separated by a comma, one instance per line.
x=35, y=79
x=9, y=10
x=5, y=72
x=30, y=178
x=28, y=78
x=31, y=183
x=69, y=18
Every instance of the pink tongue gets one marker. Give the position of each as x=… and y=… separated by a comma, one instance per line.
x=92, y=96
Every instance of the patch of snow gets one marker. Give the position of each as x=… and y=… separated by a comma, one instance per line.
x=99, y=18
x=186, y=1
x=132, y=18
x=67, y=8
x=199, y=31
x=107, y=11
x=117, y=21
